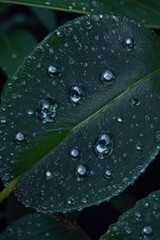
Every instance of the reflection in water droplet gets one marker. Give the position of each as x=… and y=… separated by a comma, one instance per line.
x=107, y=174
x=52, y=70
x=104, y=145
x=147, y=231
x=47, y=109
x=76, y=94
x=20, y=137
x=129, y=43
x=81, y=172
x=49, y=174
x=134, y=102
x=107, y=77
x=75, y=154
x=71, y=201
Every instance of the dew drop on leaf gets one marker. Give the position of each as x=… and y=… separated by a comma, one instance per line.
x=81, y=172
x=47, y=109
x=52, y=70
x=107, y=174
x=139, y=147
x=147, y=231
x=30, y=112
x=103, y=145
x=74, y=154
x=71, y=201
x=76, y=95
x=107, y=77
x=129, y=43
x=49, y=175
x=134, y=102
x=119, y=120
x=20, y=137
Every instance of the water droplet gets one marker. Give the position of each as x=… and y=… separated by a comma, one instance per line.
x=119, y=120
x=74, y=154
x=107, y=77
x=47, y=109
x=147, y=231
x=2, y=119
x=139, y=147
x=129, y=43
x=20, y=137
x=53, y=70
x=49, y=174
x=71, y=201
x=81, y=172
x=107, y=174
x=76, y=95
x=30, y=112
x=134, y=102
x=88, y=25
x=104, y=145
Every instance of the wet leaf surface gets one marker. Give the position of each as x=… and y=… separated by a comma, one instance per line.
x=140, y=222
x=81, y=115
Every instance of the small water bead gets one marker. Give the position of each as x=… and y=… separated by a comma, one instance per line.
x=20, y=137
x=107, y=77
x=107, y=174
x=134, y=102
x=104, y=145
x=139, y=147
x=74, y=154
x=76, y=95
x=53, y=70
x=49, y=175
x=157, y=135
x=81, y=172
x=30, y=112
x=47, y=109
x=129, y=43
x=71, y=201
x=147, y=231
x=119, y=120
x=88, y=25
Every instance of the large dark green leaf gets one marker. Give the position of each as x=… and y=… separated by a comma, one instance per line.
x=40, y=227
x=14, y=46
x=142, y=10
x=124, y=109
x=141, y=222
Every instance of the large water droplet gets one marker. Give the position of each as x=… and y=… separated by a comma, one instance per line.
x=20, y=137
x=74, y=154
x=147, y=231
x=53, y=70
x=128, y=43
x=47, y=109
x=104, y=145
x=81, y=172
x=107, y=77
x=76, y=95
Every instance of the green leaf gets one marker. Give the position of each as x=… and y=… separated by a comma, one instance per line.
x=140, y=222
x=142, y=10
x=40, y=227
x=14, y=46
x=46, y=17
x=95, y=77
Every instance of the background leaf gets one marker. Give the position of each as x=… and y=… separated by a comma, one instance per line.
x=40, y=227
x=141, y=222
x=142, y=10
x=114, y=63
x=14, y=46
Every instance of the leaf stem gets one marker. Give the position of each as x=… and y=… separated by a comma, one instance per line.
x=9, y=189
